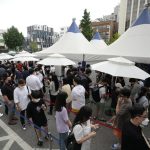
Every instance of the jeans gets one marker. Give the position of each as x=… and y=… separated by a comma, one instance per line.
x=62, y=137
x=22, y=115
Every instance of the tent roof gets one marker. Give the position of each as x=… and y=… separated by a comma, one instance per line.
x=97, y=36
x=144, y=18
x=73, y=43
x=74, y=28
x=134, y=43
x=97, y=41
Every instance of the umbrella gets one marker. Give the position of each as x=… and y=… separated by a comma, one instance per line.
x=57, y=60
x=4, y=56
x=24, y=54
x=121, y=67
x=23, y=59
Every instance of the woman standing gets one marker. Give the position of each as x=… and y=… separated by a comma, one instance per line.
x=53, y=88
x=82, y=128
x=62, y=121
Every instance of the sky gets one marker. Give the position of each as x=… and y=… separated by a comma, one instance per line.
x=53, y=13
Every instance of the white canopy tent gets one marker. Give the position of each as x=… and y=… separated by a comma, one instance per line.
x=4, y=56
x=56, y=60
x=120, y=67
x=74, y=46
x=97, y=41
x=23, y=59
x=134, y=44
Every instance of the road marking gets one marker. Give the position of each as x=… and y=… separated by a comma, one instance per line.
x=8, y=144
x=13, y=137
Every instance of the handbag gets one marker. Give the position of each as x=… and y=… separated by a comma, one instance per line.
x=71, y=143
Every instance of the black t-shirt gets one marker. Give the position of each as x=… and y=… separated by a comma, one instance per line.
x=132, y=138
x=8, y=90
x=37, y=114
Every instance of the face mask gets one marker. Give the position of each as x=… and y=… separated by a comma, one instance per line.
x=36, y=100
x=21, y=87
x=145, y=122
x=37, y=72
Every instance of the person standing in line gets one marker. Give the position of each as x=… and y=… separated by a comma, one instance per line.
x=82, y=129
x=21, y=100
x=78, y=95
x=7, y=93
x=132, y=135
x=53, y=89
x=62, y=121
x=66, y=88
x=36, y=115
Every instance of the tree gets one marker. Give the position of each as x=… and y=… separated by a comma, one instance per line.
x=114, y=38
x=33, y=46
x=85, y=25
x=13, y=39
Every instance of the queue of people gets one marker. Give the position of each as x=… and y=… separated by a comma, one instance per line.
x=23, y=90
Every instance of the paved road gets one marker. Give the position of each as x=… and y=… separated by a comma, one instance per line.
x=14, y=138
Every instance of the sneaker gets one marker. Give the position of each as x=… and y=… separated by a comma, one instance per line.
x=1, y=114
x=24, y=127
x=40, y=143
x=116, y=146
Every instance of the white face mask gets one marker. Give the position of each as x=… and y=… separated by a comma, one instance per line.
x=145, y=122
x=36, y=100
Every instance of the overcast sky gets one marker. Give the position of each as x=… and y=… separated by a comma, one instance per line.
x=53, y=13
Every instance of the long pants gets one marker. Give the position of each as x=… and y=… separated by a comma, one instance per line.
x=52, y=102
x=22, y=117
x=11, y=111
x=62, y=137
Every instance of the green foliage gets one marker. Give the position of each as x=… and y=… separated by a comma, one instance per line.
x=33, y=46
x=13, y=39
x=114, y=38
x=85, y=25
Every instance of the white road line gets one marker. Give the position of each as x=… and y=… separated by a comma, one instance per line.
x=8, y=145
x=15, y=137
x=3, y=138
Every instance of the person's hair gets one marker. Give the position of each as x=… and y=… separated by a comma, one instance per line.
x=136, y=110
x=83, y=115
x=125, y=92
x=65, y=81
x=56, y=82
x=142, y=93
x=36, y=94
x=88, y=71
x=77, y=80
x=82, y=70
x=60, y=101
x=21, y=81
x=132, y=80
x=31, y=71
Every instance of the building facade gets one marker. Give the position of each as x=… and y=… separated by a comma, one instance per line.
x=106, y=28
x=129, y=11
x=41, y=34
x=2, y=44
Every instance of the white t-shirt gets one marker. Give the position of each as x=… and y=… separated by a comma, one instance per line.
x=80, y=131
x=21, y=97
x=40, y=76
x=102, y=91
x=34, y=82
x=78, y=97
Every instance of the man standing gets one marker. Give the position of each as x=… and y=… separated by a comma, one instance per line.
x=7, y=93
x=33, y=82
x=132, y=135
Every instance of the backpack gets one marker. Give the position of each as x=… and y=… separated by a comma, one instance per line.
x=70, y=142
x=95, y=93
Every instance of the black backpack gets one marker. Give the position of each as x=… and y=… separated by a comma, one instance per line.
x=95, y=93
